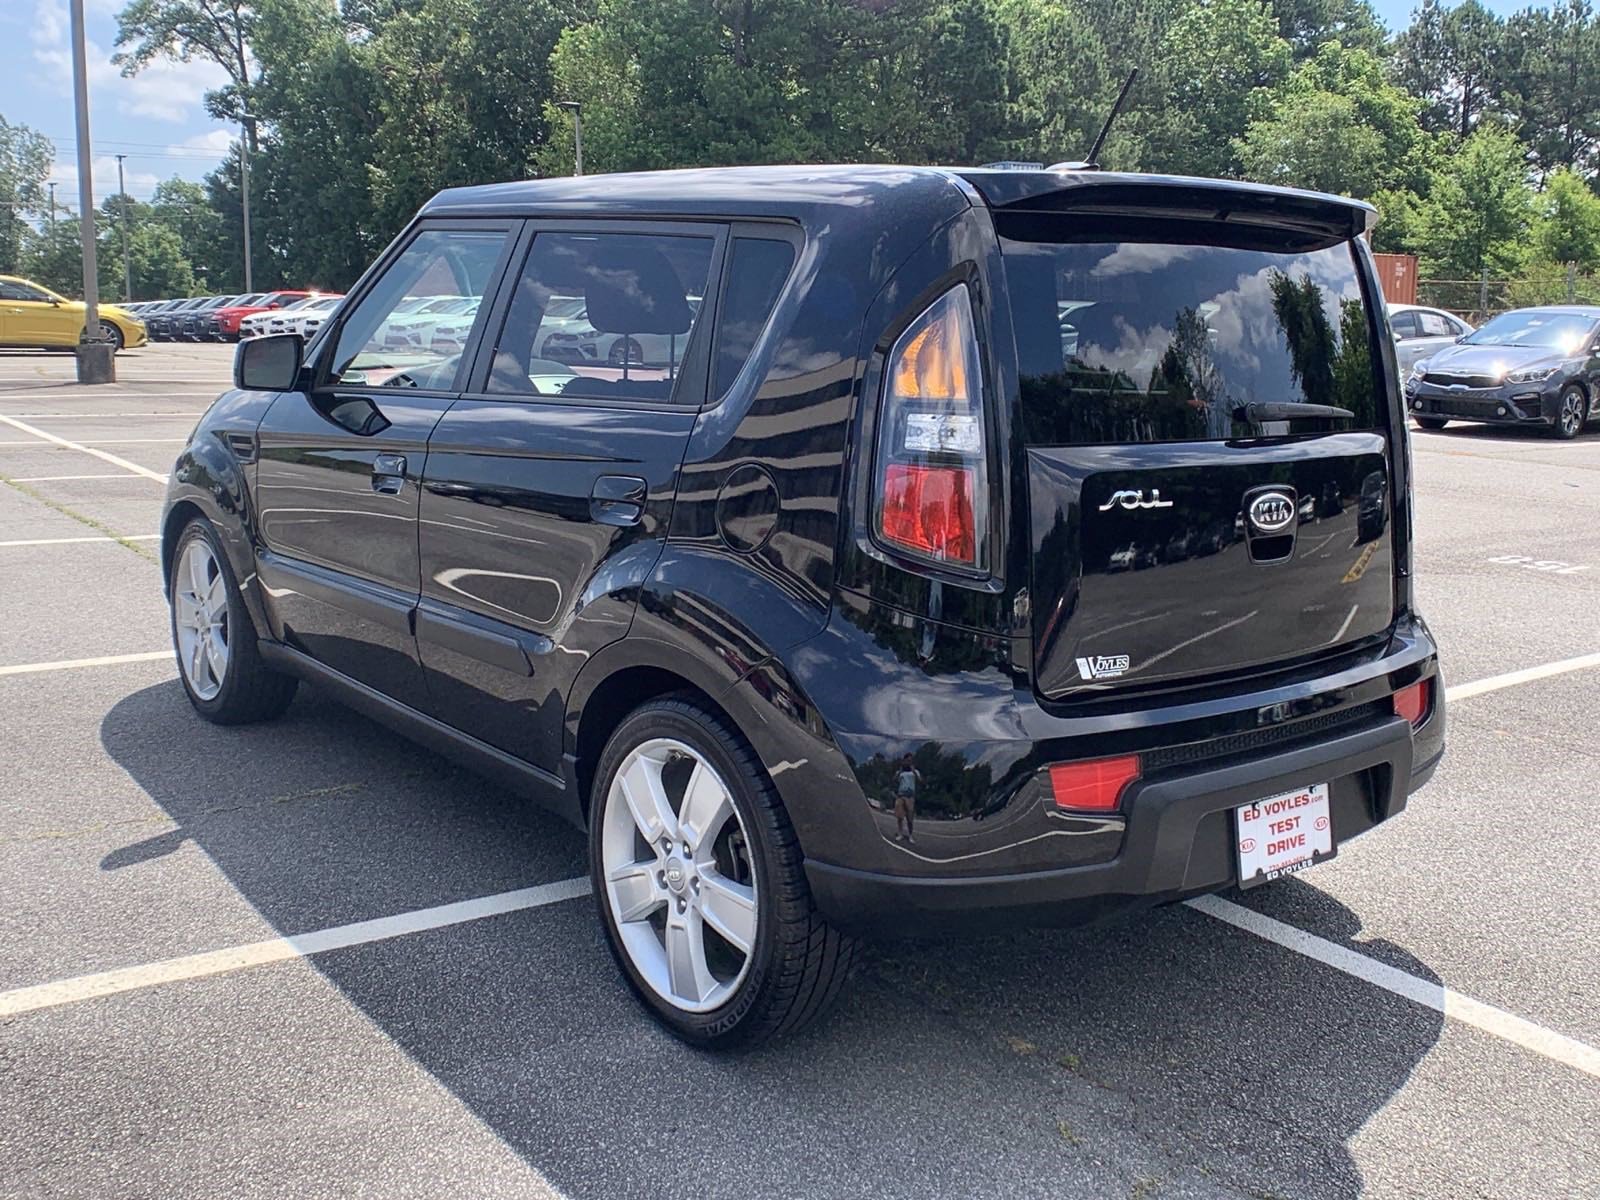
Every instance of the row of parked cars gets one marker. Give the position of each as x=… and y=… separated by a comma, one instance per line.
x=229, y=318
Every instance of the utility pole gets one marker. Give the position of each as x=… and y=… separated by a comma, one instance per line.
x=96, y=363
x=575, y=107
x=52, y=204
x=127, y=262
x=246, y=122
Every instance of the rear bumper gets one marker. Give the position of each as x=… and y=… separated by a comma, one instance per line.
x=1179, y=840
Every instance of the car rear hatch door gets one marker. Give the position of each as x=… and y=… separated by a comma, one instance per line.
x=1207, y=424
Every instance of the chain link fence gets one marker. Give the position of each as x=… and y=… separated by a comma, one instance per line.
x=1477, y=300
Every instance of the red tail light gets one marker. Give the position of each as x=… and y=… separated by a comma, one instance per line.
x=1093, y=786
x=929, y=510
x=1412, y=702
x=932, y=466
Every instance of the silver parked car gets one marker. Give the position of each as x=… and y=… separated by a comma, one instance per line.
x=1420, y=331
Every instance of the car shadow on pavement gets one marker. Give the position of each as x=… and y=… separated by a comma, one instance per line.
x=1164, y=1054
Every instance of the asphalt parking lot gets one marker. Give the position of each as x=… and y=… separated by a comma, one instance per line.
x=1417, y=1018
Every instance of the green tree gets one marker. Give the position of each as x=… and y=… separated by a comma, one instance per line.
x=1449, y=59
x=1065, y=79
x=1336, y=125
x=1480, y=210
x=1218, y=56
x=216, y=31
x=1552, y=84
x=25, y=158
x=1403, y=218
x=1569, y=221
x=1307, y=24
x=54, y=257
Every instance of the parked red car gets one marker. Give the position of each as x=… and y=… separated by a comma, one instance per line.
x=222, y=325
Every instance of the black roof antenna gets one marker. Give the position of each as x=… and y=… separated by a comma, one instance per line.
x=1092, y=163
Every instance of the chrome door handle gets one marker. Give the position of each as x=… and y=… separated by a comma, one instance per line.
x=389, y=473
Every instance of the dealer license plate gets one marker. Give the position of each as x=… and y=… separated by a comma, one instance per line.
x=1283, y=834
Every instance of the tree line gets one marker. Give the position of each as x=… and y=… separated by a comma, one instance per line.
x=1477, y=136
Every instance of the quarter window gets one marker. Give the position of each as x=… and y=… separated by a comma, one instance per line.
x=757, y=268
x=602, y=316
x=412, y=327
x=1404, y=323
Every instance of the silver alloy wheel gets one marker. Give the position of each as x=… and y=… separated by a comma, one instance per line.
x=678, y=876
x=1572, y=412
x=200, y=619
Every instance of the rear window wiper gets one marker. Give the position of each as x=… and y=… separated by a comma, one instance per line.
x=1288, y=410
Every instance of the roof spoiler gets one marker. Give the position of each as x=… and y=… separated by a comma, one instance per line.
x=1174, y=197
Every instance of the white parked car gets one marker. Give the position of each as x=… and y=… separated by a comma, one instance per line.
x=1420, y=331
x=254, y=325
x=416, y=330
x=293, y=318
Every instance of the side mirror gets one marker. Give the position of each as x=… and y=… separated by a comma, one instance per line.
x=54, y=303
x=269, y=364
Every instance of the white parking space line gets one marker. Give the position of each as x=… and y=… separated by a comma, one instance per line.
x=1465, y=691
x=73, y=541
x=92, y=416
x=1453, y=1004
x=72, y=664
x=111, y=442
x=103, y=455
x=255, y=954
x=68, y=478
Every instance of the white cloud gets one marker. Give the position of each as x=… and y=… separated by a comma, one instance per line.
x=104, y=176
x=164, y=91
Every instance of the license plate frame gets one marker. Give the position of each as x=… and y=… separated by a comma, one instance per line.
x=1283, y=834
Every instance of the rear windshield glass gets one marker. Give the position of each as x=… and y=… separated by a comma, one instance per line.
x=1155, y=341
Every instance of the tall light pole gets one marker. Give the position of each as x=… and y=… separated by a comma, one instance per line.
x=246, y=122
x=52, y=204
x=127, y=262
x=95, y=361
x=575, y=107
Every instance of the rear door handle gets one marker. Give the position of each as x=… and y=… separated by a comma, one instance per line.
x=618, y=499
x=389, y=473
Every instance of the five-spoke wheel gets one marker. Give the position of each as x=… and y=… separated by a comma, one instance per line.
x=200, y=618
x=700, y=881
x=678, y=875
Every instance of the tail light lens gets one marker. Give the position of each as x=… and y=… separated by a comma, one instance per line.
x=1413, y=702
x=931, y=478
x=1095, y=786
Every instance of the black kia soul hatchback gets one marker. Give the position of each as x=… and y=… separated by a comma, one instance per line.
x=850, y=549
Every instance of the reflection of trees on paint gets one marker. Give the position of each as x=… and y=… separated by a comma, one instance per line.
x=949, y=787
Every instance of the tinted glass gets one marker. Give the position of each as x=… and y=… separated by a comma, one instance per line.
x=602, y=315
x=1564, y=332
x=390, y=341
x=757, y=269
x=1404, y=323
x=1155, y=341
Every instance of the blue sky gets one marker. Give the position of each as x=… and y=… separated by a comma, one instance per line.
x=157, y=119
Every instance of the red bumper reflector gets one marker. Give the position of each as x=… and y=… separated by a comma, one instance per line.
x=1412, y=702
x=1094, y=786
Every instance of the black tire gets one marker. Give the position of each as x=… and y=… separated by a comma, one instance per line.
x=250, y=690
x=626, y=350
x=1572, y=412
x=799, y=964
x=1433, y=423
x=110, y=333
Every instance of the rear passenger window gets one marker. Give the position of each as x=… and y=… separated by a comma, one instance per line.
x=1435, y=325
x=605, y=316
x=757, y=269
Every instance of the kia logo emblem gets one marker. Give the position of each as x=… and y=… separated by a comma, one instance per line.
x=1271, y=512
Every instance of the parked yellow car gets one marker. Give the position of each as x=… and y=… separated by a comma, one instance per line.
x=31, y=315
